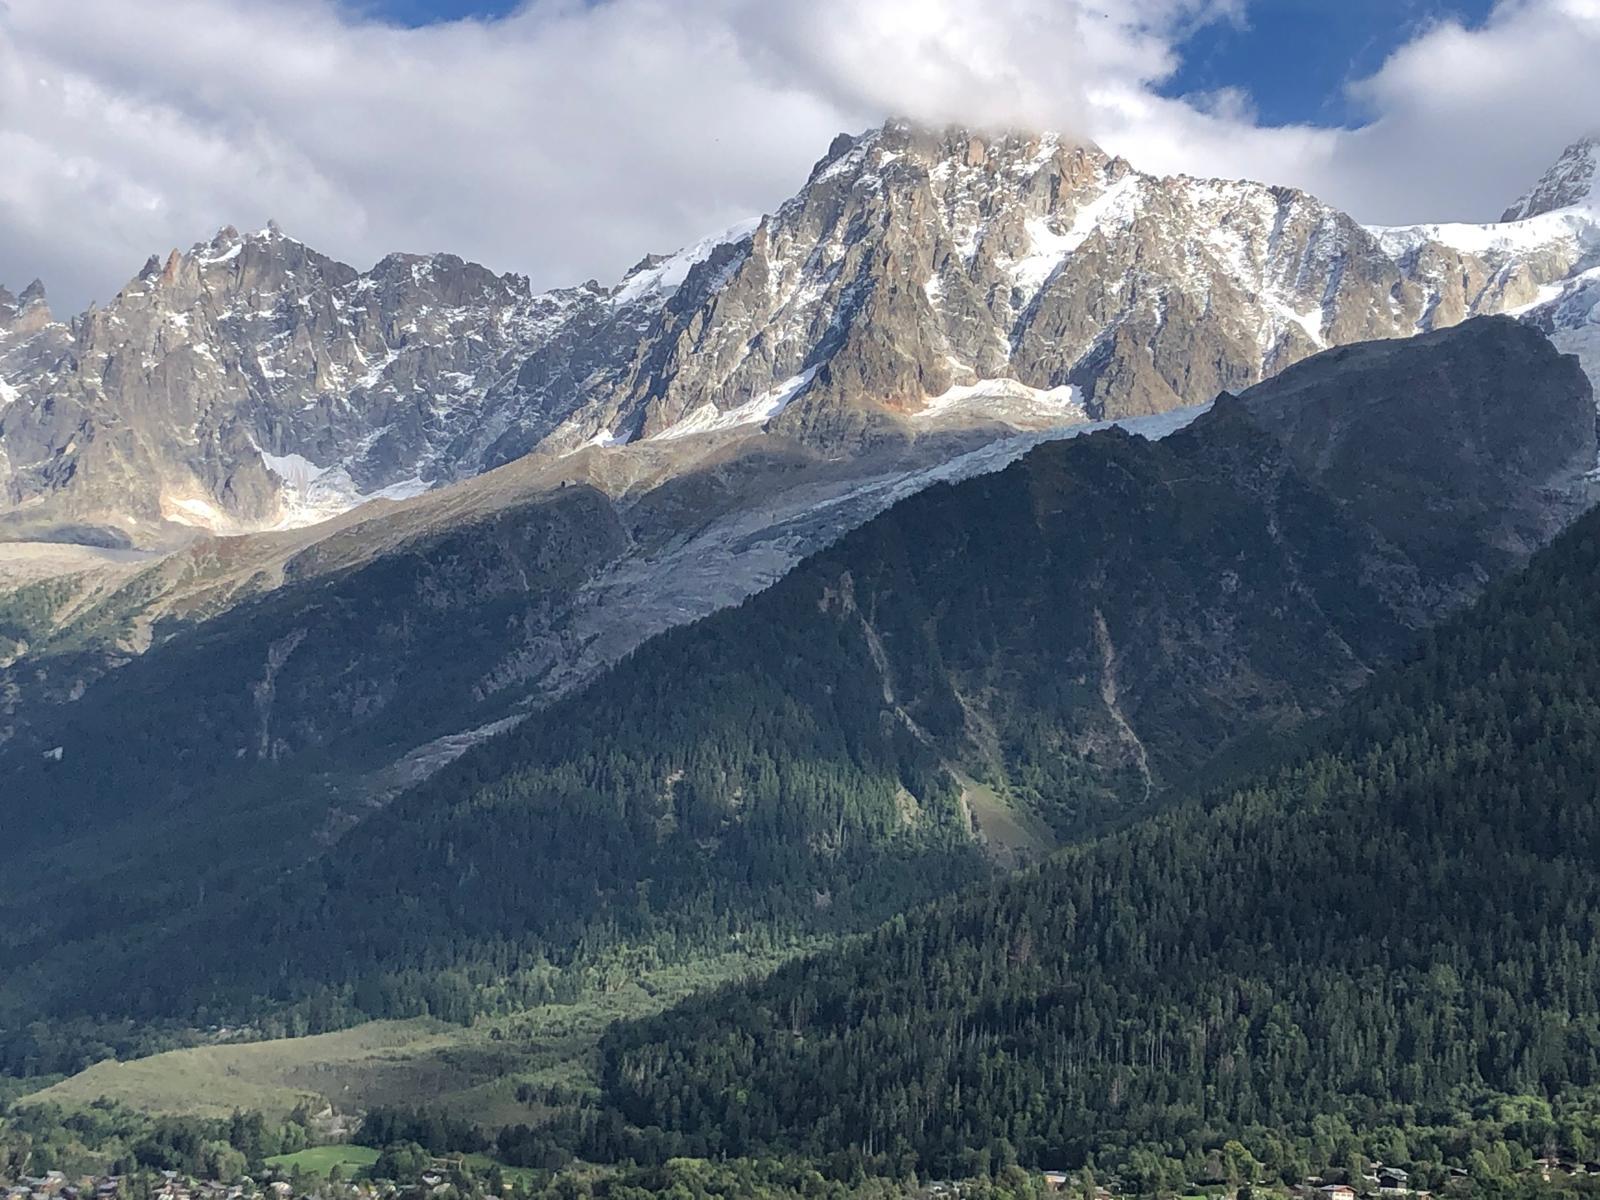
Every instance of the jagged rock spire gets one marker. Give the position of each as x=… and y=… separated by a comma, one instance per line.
x=1573, y=180
x=27, y=313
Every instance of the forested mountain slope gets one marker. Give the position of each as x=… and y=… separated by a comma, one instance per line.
x=1382, y=927
x=999, y=664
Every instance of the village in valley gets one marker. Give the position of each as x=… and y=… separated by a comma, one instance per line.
x=454, y=1178
x=444, y=1179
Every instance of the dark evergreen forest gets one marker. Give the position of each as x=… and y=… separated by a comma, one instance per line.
x=1396, y=919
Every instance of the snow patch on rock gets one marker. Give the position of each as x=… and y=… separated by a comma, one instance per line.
x=708, y=418
x=1050, y=247
x=668, y=275
x=1504, y=238
x=310, y=494
x=1008, y=401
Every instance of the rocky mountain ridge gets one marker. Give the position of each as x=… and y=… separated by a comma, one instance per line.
x=1570, y=183
x=919, y=280
x=253, y=382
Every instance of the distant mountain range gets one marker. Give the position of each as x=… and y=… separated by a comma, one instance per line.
x=920, y=279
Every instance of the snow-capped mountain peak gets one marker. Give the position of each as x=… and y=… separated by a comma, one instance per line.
x=1574, y=181
x=919, y=279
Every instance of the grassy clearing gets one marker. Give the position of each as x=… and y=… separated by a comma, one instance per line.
x=469, y=1072
x=482, y=1162
x=381, y=1062
x=1013, y=838
x=556, y=1043
x=319, y=1160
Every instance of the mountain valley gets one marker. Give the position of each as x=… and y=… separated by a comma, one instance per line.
x=974, y=661
x=1004, y=661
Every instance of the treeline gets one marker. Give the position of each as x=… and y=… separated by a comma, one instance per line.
x=435, y=1132
x=112, y=1138
x=762, y=1179
x=1397, y=921
x=1496, y=1145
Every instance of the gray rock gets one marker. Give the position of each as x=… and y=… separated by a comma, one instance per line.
x=918, y=275
x=1571, y=181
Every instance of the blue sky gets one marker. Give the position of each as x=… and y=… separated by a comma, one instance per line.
x=566, y=148
x=1293, y=58
x=428, y=12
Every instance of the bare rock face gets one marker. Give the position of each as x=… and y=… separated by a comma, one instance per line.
x=1572, y=181
x=920, y=278
x=252, y=381
x=915, y=262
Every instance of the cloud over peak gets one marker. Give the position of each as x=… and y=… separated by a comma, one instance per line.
x=566, y=139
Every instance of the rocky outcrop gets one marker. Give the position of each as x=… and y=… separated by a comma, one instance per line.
x=1572, y=181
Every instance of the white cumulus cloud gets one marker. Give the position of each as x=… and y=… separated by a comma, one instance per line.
x=569, y=138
